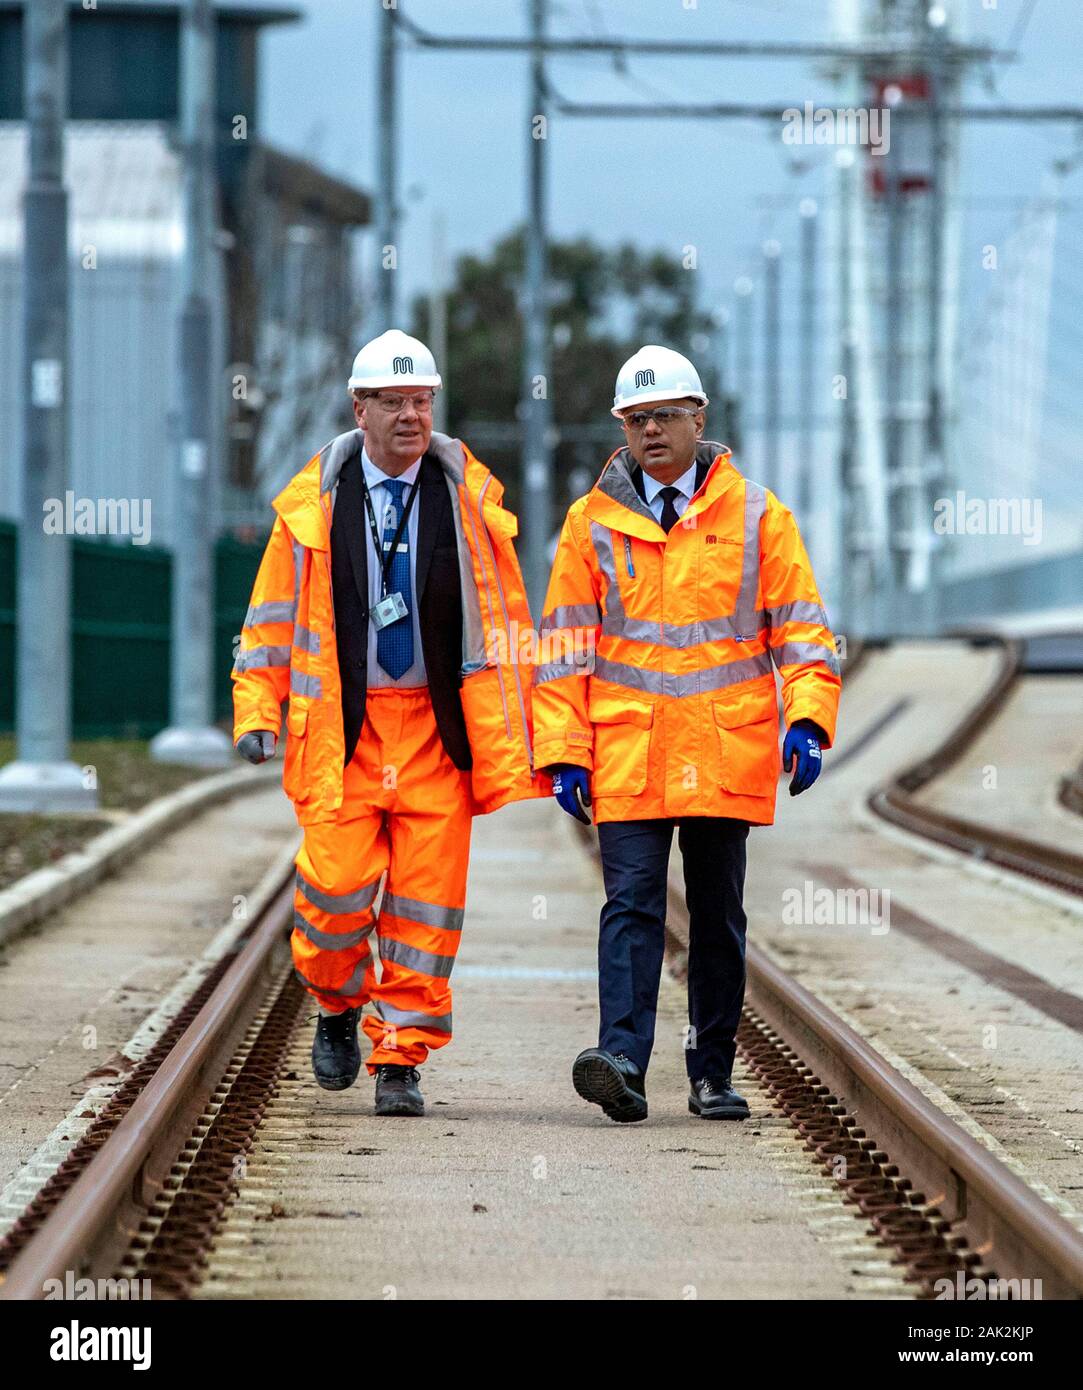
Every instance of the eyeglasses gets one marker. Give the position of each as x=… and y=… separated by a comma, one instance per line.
x=395, y=405
x=664, y=415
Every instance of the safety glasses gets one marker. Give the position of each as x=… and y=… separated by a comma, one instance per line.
x=664, y=415
x=395, y=405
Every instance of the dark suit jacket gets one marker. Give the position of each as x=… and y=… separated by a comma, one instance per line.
x=436, y=590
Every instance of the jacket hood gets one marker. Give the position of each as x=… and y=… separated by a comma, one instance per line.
x=299, y=502
x=614, y=495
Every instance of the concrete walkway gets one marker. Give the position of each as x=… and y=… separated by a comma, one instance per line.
x=511, y=1186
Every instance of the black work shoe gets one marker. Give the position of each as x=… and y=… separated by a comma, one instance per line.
x=336, y=1054
x=613, y=1082
x=717, y=1100
x=398, y=1091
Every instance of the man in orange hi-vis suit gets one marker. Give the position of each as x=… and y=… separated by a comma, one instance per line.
x=388, y=608
x=676, y=584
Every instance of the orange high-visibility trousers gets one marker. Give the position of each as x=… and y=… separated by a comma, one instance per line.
x=406, y=811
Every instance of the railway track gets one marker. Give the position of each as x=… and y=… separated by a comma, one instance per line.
x=896, y=800
x=143, y=1193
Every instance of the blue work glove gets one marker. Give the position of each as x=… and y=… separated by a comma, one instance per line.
x=571, y=787
x=256, y=746
x=803, y=745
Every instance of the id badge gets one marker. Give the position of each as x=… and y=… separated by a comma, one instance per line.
x=389, y=610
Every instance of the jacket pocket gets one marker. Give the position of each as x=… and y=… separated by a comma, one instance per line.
x=296, y=737
x=622, y=741
x=497, y=751
x=748, y=737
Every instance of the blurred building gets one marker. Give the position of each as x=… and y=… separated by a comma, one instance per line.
x=285, y=296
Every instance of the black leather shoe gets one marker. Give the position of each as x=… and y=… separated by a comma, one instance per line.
x=398, y=1091
x=717, y=1100
x=336, y=1054
x=613, y=1082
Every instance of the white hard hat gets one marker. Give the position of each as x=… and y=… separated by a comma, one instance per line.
x=393, y=359
x=656, y=374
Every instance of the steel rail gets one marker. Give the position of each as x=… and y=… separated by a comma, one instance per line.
x=1006, y=1224
x=91, y=1227
x=1014, y=1231
x=895, y=801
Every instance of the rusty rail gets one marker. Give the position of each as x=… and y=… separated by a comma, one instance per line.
x=1006, y=1225
x=96, y=1221
x=895, y=800
x=980, y=1216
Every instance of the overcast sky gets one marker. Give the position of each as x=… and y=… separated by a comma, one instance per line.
x=722, y=186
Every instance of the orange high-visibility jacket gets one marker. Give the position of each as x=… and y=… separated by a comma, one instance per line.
x=288, y=639
x=655, y=662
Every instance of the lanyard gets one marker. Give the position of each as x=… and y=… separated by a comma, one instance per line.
x=386, y=561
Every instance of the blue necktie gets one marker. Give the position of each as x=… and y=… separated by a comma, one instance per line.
x=395, y=643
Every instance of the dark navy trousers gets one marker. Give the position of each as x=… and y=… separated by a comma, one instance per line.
x=635, y=866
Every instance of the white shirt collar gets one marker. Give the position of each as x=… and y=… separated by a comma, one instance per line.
x=375, y=476
x=686, y=483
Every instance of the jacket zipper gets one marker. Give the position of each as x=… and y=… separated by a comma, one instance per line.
x=628, y=557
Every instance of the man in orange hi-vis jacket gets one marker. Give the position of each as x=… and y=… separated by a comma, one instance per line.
x=676, y=584
x=387, y=609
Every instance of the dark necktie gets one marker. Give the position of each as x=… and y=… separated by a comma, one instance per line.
x=395, y=643
x=669, y=497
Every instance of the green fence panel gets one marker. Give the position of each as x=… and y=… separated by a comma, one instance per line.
x=120, y=639
x=236, y=563
x=120, y=632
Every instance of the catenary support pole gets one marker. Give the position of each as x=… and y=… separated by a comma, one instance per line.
x=192, y=737
x=772, y=365
x=42, y=778
x=387, y=242
x=537, y=386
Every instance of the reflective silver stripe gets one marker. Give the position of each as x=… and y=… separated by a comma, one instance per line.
x=429, y=914
x=258, y=658
x=602, y=538
x=305, y=640
x=800, y=611
x=557, y=670
x=802, y=653
x=404, y=1018
x=337, y=903
x=330, y=940
x=488, y=600
x=301, y=684
x=278, y=611
x=507, y=628
x=746, y=613
x=425, y=962
x=690, y=683
x=677, y=635
x=745, y=621
x=351, y=986
x=571, y=615
x=298, y=570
